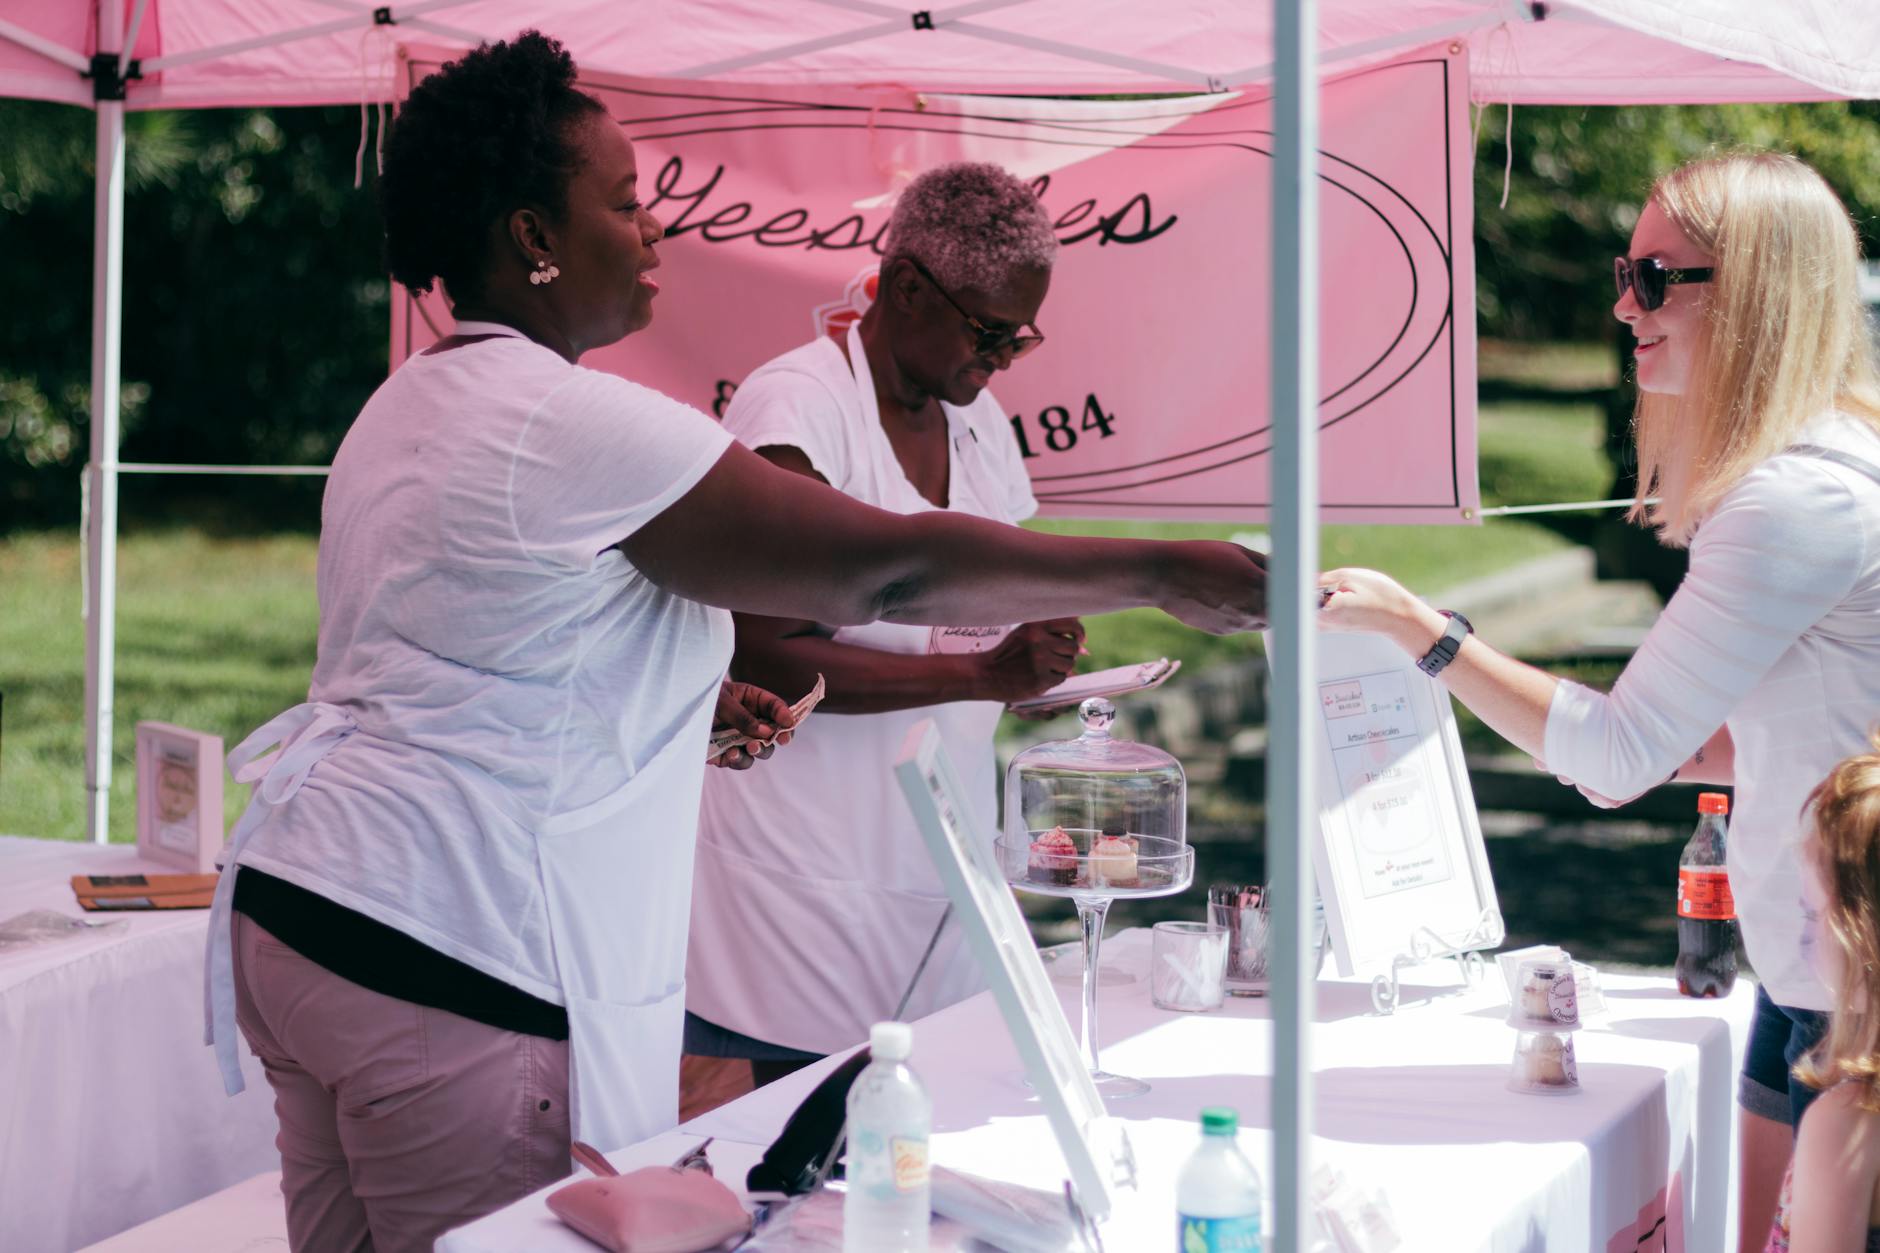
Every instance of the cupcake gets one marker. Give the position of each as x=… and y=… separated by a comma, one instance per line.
x=1548, y=995
x=1053, y=859
x=1113, y=862
x=1545, y=1060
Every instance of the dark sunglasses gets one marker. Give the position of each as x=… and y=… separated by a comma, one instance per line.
x=986, y=341
x=1648, y=277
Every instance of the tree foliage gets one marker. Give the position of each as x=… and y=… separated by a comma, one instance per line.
x=255, y=308
x=1544, y=262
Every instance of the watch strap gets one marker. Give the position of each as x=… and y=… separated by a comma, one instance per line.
x=1447, y=646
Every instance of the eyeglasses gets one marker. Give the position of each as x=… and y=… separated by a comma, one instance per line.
x=1648, y=277
x=987, y=342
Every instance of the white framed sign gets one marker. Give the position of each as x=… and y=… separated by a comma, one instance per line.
x=179, y=796
x=1400, y=859
x=1095, y=1146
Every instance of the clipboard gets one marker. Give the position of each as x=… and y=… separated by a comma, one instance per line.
x=1116, y=681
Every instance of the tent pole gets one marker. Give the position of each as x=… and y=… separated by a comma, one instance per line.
x=1291, y=815
x=58, y=53
x=363, y=20
x=107, y=291
x=953, y=21
x=136, y=30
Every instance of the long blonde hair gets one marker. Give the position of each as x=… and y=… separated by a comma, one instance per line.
x=1785, y=335
x=1845, y=811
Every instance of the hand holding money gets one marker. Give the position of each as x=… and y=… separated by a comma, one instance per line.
x=751, y=723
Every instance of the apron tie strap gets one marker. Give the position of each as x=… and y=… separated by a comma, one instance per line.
x=299, y=739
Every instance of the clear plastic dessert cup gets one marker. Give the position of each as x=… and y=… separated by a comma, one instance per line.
x=1546, y=997
x=1543, y=1064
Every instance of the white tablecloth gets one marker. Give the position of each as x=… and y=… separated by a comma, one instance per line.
x=111, y=1109
x=1412, y=1105
x=250, y=1217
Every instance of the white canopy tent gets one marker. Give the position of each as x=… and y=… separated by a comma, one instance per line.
x=218, y=53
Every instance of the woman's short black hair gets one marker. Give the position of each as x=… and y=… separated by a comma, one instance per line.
x=488, y=133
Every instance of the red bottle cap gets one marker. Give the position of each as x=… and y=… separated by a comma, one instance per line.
x=1713, y=803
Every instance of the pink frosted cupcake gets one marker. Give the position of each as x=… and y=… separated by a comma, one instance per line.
x=1053, y=859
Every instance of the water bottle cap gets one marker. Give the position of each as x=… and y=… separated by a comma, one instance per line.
x=1218, y=1120
x=890, y=1041
x=1713, y=803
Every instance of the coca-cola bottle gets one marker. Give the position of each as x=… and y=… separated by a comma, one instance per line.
x=1706, y=910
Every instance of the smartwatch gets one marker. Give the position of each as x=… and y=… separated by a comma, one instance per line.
x=1445, y=649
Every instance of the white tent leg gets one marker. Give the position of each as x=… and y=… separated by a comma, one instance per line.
x=107, y=291
x=1292, y=813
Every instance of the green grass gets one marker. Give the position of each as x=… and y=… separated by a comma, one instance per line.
x=214, y=634
x=1532, y=453
x=1553, y=367
x=217, y=633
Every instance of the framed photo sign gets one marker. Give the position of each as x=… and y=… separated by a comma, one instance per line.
x=1400, y=860
x=179, y=796
x=1095, y=1146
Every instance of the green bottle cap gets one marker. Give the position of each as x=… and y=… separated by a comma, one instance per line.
x=1218, y=1120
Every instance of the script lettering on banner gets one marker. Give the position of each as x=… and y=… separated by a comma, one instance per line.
x=1149, y=399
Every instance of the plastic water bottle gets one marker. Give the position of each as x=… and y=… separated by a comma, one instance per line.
x=887, y=1209
x=1706, y=911
x=1219, y=1195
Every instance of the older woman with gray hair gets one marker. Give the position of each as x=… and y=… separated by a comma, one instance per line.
x=814, y=898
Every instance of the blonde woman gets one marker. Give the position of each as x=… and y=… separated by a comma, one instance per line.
x=1758, y=428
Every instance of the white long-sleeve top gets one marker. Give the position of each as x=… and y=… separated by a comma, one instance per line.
x=1775, y=632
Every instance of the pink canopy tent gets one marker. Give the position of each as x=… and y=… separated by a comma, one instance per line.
x=217, y=53
x=204, y=53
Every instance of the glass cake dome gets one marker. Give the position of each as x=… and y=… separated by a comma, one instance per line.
x=1096, y=815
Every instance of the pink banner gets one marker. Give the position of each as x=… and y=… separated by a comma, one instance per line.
x=1149, y=399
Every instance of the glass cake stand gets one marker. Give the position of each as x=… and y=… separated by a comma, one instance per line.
x=1164, y=866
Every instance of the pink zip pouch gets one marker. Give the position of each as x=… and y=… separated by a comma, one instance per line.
x=652, y=1210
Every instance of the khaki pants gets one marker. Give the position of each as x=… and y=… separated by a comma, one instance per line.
x=398, y=1122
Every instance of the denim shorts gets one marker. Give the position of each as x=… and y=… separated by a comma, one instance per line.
x=1778, y=1037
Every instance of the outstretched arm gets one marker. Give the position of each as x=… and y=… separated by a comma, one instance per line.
x=1782, y=550
x=787, y=653
x=1511, y=696
x=756, y=539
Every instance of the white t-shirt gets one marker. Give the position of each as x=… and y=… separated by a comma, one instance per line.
x=506, y=665
x=814, y=896
x=1776, y=630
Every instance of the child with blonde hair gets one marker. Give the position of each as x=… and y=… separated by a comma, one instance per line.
x=1831, y=1198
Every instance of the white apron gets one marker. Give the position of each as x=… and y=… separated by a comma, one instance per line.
x=617, y=879
x=815, y=897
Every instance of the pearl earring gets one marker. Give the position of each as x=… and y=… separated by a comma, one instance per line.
x=544, y=273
